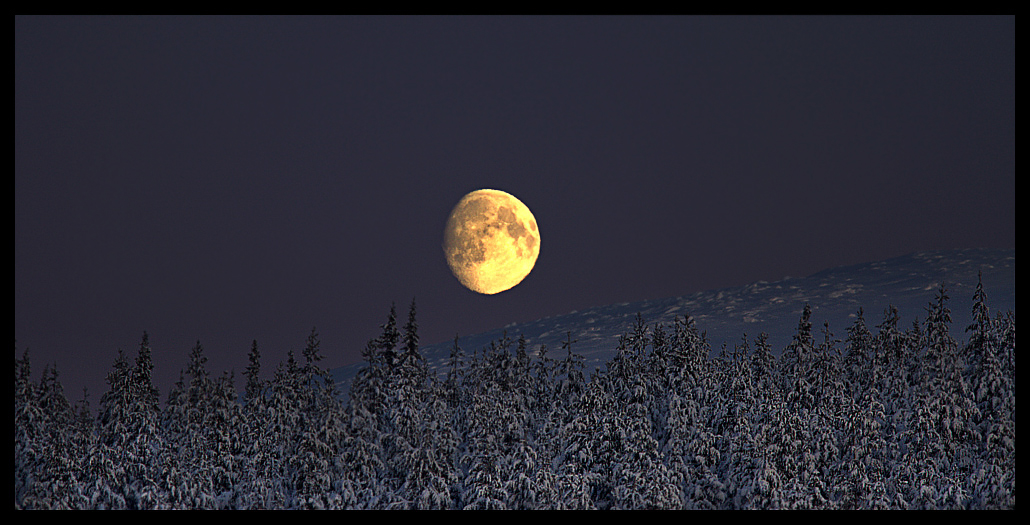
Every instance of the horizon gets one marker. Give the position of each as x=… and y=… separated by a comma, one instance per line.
x=787, y=325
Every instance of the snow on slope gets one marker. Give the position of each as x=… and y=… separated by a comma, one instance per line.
x=835, y=295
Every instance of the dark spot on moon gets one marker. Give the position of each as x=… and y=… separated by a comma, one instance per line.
x=473, y=251
x=475, y=211
x=507, y=217
x=516, y=230
x=504, y=214
x=530, y=241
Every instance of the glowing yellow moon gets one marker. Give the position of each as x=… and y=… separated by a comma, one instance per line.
x=491, y=241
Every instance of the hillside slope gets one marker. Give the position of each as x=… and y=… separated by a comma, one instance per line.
x=835, y=295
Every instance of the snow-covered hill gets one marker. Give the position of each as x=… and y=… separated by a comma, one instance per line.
x=835, y=295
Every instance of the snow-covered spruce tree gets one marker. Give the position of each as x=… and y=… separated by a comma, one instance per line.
x=366, y=479
x=760, y=486
x=255, y=389
x=28, y=431
x=524, y=459
x=405, y=397
x=979, y=329
x=991, y=484
x=1005, y=334
x=549, y=411
x=284, y=408
x=394, y=415
x=681, y=420
x=833, y=422
x=918, y=366
x=806, y=434
x=571, y=378
x=565, y=479
x=46, y=473
x=83, y=437
x=639, y=477
x=942, y=360
x=751, y=480
x=107, y=465
x=892, y=356
x=788, y=443
x=410, y=349
x=188, y=428
x=480, y=484
x=361, y=456
x=226, y=445
x=1005, y=330
x=256, y=463
x=387, y=341
x=681, y=366
x=527, y=455
x=415, y=436
x=663, y=376
x=125, y=465
x=173, y=427
x=508, y=384
x=925, y=464
x=452, y=380
x=693, y=347
x=548, y=415
x=380, y=419
x=763, y=372
x=321, y=425
x=797, y=365
x=691, y=450
x=580, y=480
x=57, y=483
x=430, y=472
x=867, y=450
x=985, y=365
x=482, y=487
x=952, y=402
x=628, y=470
x=736, y=385
x=145, y=425
x=864, y=450
x=494, y=424
x=900, y=356
x=860, y=359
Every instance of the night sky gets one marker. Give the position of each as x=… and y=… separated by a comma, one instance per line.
x=233, y=179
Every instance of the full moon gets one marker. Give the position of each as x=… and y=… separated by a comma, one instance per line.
x=491, y=241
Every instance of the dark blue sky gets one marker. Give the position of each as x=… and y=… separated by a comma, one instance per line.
x=232, y=179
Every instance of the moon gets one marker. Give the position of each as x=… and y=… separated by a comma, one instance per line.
x=491, y=241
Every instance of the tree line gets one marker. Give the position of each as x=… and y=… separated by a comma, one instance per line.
x=882, y=417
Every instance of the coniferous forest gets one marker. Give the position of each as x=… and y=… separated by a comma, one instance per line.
x=884, y=415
